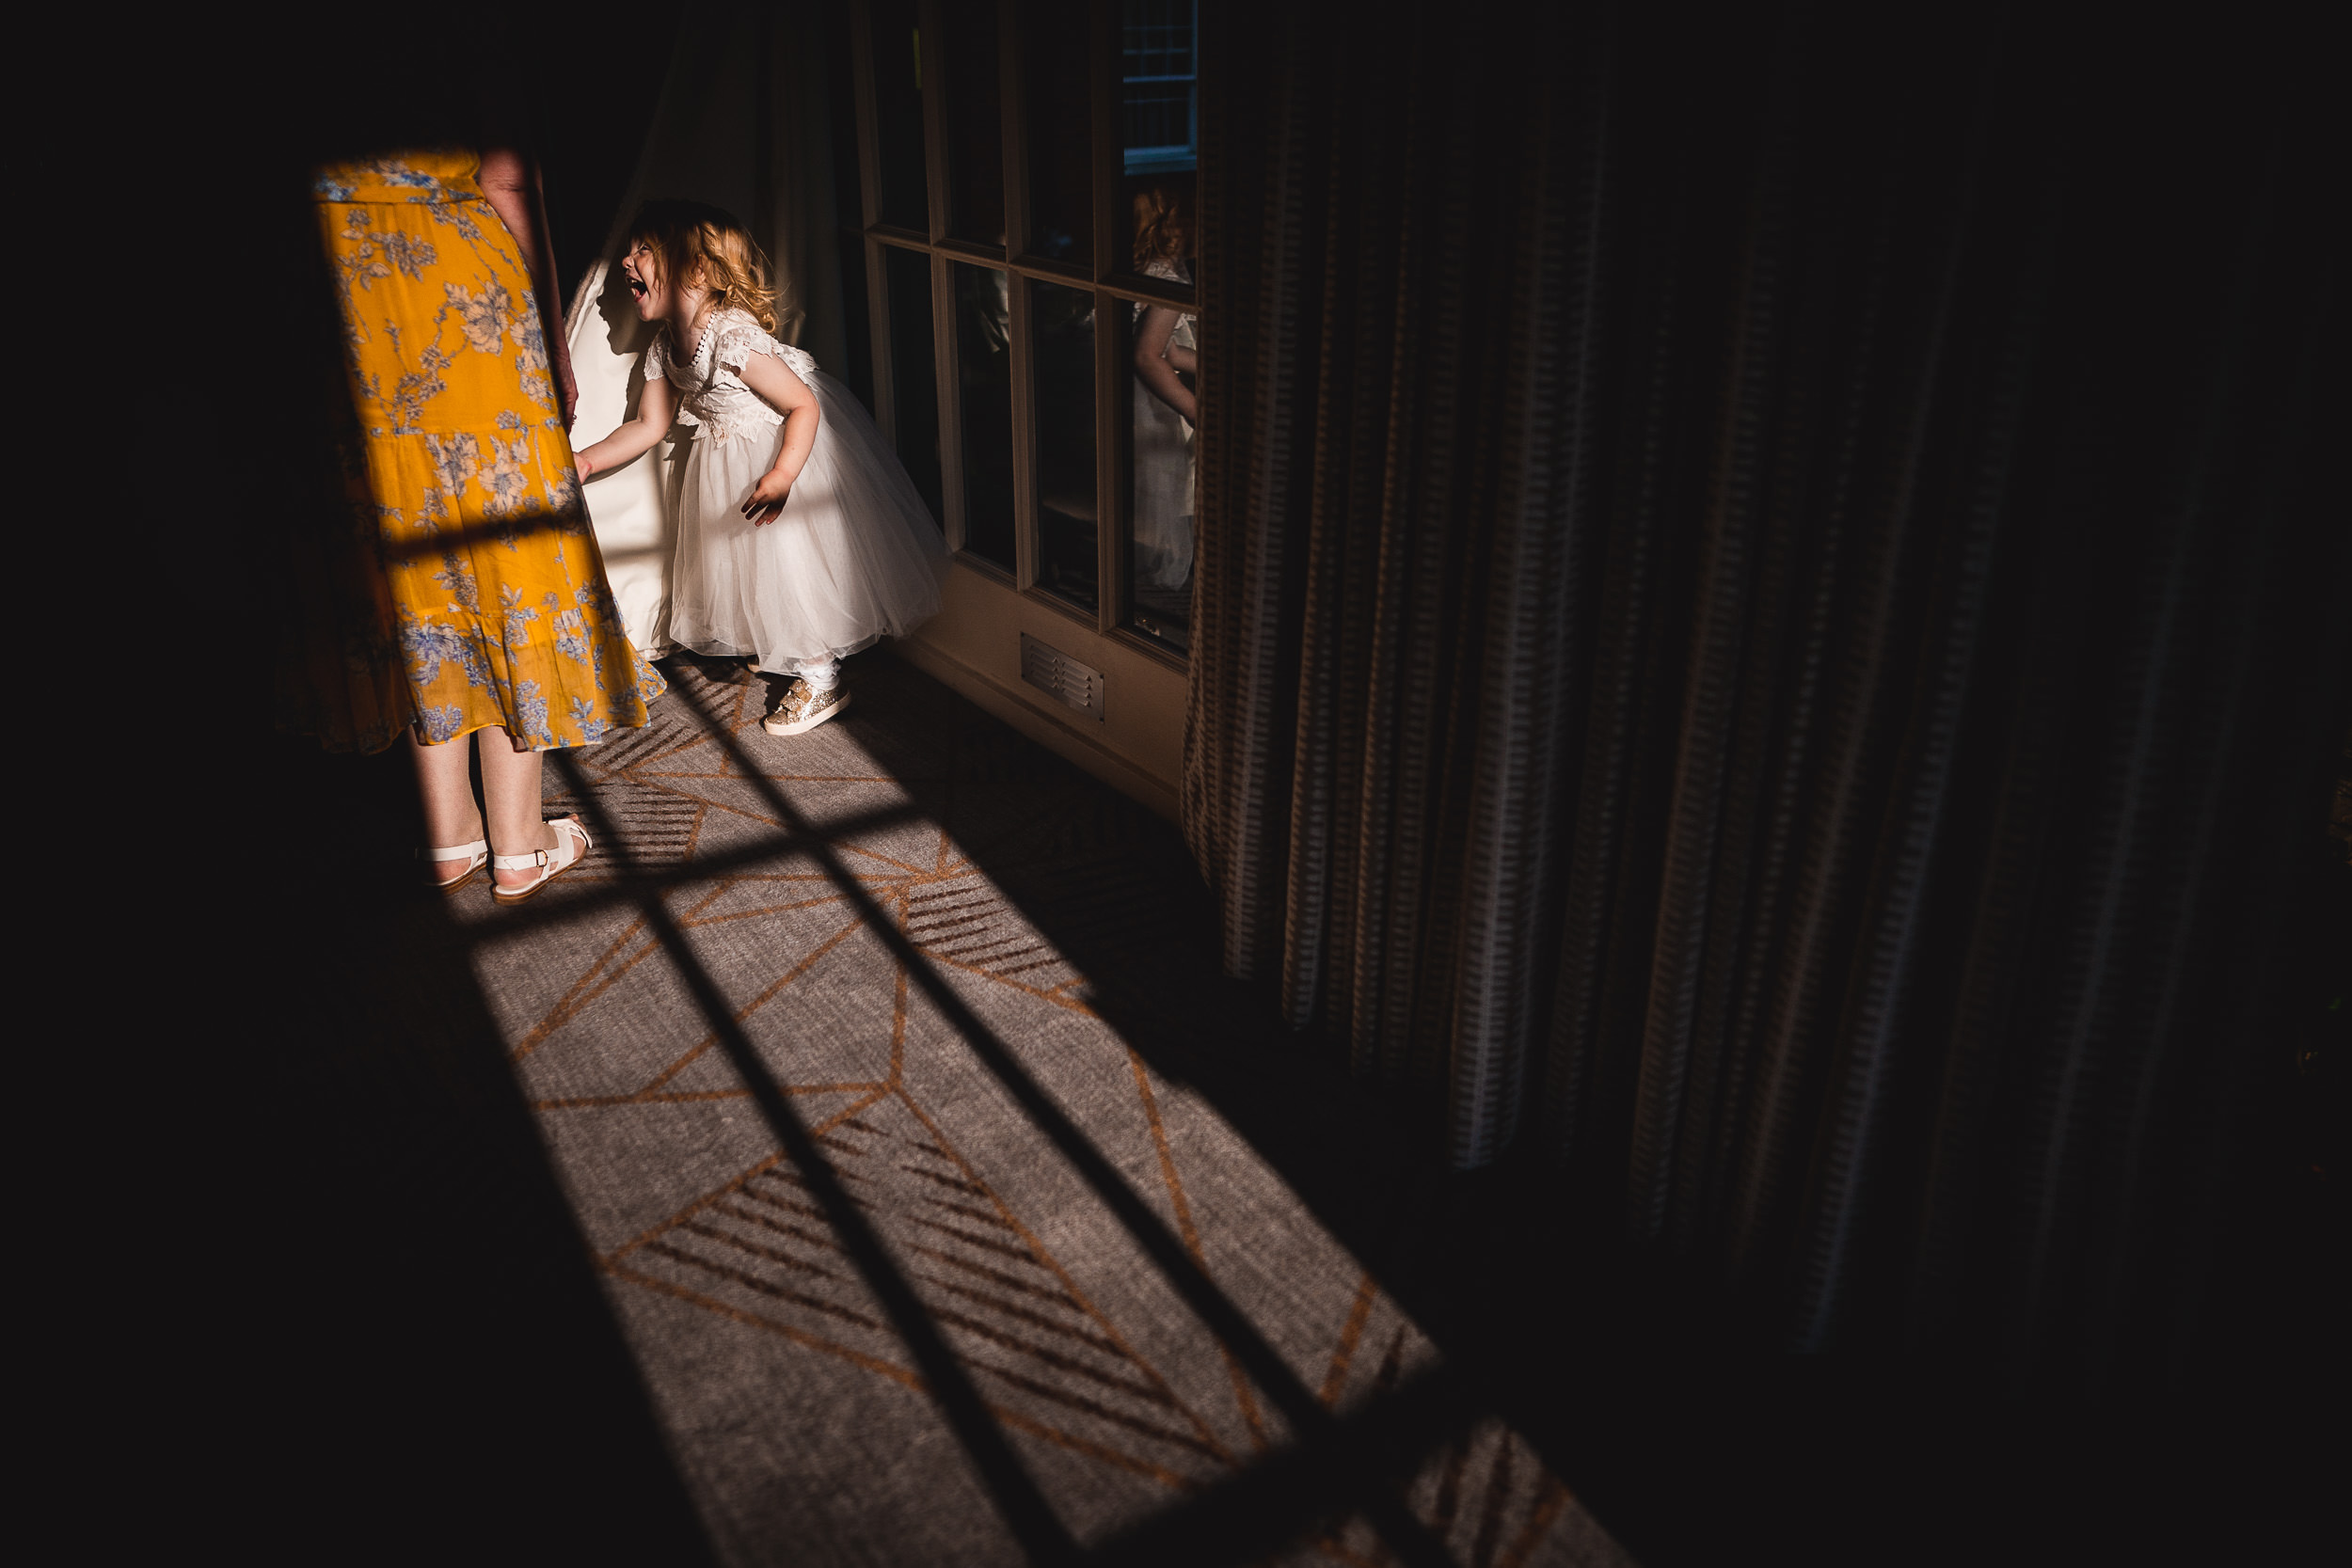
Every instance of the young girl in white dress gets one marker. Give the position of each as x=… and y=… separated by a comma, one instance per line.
x=1164, y=406
x=800, y=538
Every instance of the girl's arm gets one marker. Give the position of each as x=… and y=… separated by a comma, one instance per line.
x=786, y=392
x=1151, y=366
x=655, y=411
x=511, y=184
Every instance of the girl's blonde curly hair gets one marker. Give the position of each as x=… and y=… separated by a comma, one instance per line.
x=705, y=247
x=1161, y=225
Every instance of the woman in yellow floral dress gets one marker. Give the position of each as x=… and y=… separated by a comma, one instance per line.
x=457, y=590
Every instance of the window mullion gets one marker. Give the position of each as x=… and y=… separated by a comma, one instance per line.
x=1014, y=101
x=931, y=18
x=1025, y=498
x=878, y=335
x=1110, y=371
x=1013, y=116
x=944, y=354
x=1111, y=377
x=868, y=114
x=1103, y=52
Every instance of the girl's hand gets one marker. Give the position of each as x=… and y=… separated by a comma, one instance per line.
x=768, y=497
x=583, y=465
x=1152, y=354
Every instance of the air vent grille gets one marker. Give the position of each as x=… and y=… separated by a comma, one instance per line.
x=1052, y=671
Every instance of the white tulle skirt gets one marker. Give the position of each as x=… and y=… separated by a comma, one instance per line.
x=854, y=556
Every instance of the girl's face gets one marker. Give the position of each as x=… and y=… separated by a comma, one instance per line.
x=649, y=283
x=644, y=279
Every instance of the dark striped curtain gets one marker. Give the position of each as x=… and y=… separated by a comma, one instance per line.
x=1761, y=639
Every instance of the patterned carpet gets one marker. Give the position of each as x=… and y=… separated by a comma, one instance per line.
x=859, y=1067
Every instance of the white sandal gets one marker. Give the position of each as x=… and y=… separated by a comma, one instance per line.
x=473, y=854
x=552, y=862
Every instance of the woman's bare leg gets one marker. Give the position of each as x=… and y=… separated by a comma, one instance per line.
x=510, y=787
x=510, y=784
x=445, y=783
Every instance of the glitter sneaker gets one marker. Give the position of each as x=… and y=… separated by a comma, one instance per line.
x=804, y=710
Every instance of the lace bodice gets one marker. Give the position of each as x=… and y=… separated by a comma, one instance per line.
x=1182, y=335
x=709, y=388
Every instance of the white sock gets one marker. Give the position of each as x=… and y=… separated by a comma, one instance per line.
x=821, y=676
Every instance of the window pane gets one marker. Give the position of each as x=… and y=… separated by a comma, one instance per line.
x=857, y=342
x=976, y=130
x=1061, y=143
x=913, y=369
x=1159, y=82
x=899, y=113
x=983, y=352
x=1062, y=323
x=1162, y=364
x=1159, y=99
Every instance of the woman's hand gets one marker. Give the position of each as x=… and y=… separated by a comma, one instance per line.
x=768, y=497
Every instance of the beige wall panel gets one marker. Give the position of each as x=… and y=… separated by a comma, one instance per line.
x=973, y=645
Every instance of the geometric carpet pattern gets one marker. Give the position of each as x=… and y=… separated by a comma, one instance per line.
x=920, y=1261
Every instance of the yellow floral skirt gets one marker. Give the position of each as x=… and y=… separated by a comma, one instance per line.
x=450, y=580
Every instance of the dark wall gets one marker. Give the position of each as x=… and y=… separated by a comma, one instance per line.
x=596, y=102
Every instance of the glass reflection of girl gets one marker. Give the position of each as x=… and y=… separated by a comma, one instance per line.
x=1167, y=350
